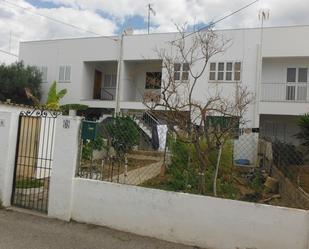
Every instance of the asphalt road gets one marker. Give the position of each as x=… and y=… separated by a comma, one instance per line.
x=25, y=231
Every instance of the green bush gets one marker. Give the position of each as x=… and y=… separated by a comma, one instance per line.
x=183, y=172
x=29, y=183
x=89, y=146
x=123, y=133
x=15, y=78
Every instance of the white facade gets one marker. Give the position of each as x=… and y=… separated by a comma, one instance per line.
x=282, y=48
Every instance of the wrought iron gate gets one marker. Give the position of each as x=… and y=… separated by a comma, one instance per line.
x=33, y=160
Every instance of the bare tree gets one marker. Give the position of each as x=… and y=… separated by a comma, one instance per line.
x=191, y=119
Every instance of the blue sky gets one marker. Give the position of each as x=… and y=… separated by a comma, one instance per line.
x=135, y=21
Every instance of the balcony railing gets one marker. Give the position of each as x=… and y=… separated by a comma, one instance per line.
x=108, y=94
x=285, y=92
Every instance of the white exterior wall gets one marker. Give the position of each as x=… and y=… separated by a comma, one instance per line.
x=66, y=147
x=8, y=134
x=280, y=43
x=190, y=219
x=71, y=52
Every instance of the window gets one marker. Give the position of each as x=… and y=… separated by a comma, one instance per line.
x=225, y=71
x=220, y=71
x=296, y=88
x=291, y=75
x=181, y=71
x=110, y=80
x=302, y=75
x=212, y=71
x=65, y=73
x=43, y=71
x=229, y=71
x=153, y=80
x=237, y=70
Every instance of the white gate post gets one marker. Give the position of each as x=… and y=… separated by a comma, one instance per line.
x=8, y=135
x=63, y=167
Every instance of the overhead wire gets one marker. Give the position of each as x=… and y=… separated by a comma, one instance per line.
x=53, y=19
x=217, y=21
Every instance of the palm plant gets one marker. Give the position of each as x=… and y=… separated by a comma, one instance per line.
x=54, y=97
x=303, y=134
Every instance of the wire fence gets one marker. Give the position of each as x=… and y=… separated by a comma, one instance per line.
x=290, y=159
x=127, y=149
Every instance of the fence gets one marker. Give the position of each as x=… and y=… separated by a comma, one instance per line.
x=177, y=217
x=127, y=150
x=290, y=159
x=138, y=150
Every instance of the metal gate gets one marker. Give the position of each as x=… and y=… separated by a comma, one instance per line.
x=33, y=160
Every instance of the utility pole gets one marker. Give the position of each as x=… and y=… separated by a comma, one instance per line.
x=119, y=70
x=150, y=10
x=10, y=42
x=263, y=16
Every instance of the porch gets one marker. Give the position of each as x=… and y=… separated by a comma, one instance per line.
x=101, y=80
x=141, y=81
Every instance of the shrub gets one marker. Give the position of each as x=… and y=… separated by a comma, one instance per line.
x=303, y=135
x=29, y=183
x=17, y=77
x=285, y=154
x=89, y=146
x=183, y=171
x=123, y=133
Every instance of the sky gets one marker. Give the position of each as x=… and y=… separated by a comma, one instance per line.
x=20, y=20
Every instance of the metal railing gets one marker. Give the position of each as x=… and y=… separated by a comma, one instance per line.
x=285, y=92
x=106, y=93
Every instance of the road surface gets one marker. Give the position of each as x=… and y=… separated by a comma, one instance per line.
x=26, y=231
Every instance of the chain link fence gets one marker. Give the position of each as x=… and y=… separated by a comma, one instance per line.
x=126, y=149
x=290, y=159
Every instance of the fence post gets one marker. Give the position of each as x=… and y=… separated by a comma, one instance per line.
x=8, y=135
x=66, y=147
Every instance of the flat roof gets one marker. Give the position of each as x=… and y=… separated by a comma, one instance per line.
x=115, y=38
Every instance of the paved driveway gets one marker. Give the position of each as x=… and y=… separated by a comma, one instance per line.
x=19, y=230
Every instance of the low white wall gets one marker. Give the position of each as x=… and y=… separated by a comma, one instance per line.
x=8, y=138
x=65, y=155
x=190, y=219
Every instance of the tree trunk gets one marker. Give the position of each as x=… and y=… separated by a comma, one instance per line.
x=217, y=170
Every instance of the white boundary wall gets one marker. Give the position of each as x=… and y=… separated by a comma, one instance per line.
x=190, y=219
x=8, y=138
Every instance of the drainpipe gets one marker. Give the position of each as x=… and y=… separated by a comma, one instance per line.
x=118, y=88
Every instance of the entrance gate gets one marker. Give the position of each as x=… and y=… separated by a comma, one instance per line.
x=33, y=159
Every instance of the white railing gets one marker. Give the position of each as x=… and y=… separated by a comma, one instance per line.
x=285, y=92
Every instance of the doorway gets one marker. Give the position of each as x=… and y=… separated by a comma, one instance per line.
x=97, y=84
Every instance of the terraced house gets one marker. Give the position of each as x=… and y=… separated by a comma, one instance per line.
x=111, y=73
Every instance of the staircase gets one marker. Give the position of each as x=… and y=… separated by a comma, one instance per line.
x=146, y=122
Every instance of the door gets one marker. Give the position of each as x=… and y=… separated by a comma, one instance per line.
x=97, y=85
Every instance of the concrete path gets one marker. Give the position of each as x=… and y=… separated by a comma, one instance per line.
x=19, y=230
x=139, y=175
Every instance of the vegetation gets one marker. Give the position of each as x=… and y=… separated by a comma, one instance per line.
x=303, y=135
x=206, y=125
x=123, y=134
x=29, y=183
x=182, y=174
x=17, y=77
x=77, y=107
x=53, y=99
x=90, y=145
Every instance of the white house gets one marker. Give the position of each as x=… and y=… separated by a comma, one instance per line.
x=88, y=68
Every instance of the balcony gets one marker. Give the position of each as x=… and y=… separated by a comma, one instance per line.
x=285, y=92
